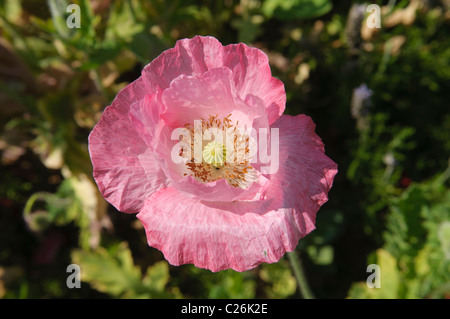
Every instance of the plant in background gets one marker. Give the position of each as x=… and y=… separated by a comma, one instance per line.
x=55, y=80
x=415, y=259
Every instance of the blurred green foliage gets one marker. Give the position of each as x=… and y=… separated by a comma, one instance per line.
x=416, y=244
x=390, y=203
x=113, y=271
x=295, y=9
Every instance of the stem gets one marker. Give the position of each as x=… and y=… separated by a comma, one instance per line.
x=446, y=175
x=384, y=60
x=300, y=275
x=95, y=75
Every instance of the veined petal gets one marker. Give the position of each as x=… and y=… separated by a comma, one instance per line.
x=305, y=174
x=194, y=98
x=124, y=168
x=194, y=57
x=218, y=236
x=252, y=76
x=191, y=57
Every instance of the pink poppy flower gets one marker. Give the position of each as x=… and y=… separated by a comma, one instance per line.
x=237, y=206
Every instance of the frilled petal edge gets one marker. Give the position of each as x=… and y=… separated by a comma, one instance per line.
x=242, y=234
x=236, y=236
x=124, y=168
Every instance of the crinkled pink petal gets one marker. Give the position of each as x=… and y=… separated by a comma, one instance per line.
x=242, y=234
x=235, y=236
x=159, y=139
x=145, y=117
x=305, y=173
x=194, y=98
x=194, y=57
x=124, y=168
x=252, y=76
x=191, y=57
x=214, y=191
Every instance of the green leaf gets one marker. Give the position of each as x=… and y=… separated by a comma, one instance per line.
x=88, y=21
x=112, y=274
x=58, y=12
x=296, y=9
x=322, y=256
x=13, y=10
x=444, y=237
x=157, y=276
x=390, y=280
x=422, y=266
x=404, y=224
x=278, y=276
x=122, y=23
x=232, y=284
x=145, y=46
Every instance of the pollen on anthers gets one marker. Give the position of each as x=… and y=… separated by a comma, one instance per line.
x=216, y=149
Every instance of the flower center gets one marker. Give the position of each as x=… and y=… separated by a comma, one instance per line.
x=215, y=153
x=227, y=156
